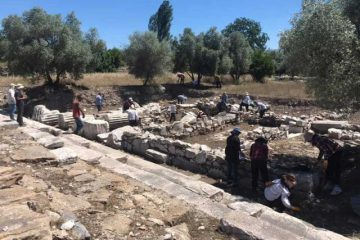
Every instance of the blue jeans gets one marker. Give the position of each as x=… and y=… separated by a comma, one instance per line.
x=79, y=125
x=12, y=110
x=232, y=173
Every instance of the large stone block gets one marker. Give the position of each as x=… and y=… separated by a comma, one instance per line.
x=65, y=155
x=92, y=128
x=156, y=156
x=115, y=137
x=324, y=125
x=335, y=133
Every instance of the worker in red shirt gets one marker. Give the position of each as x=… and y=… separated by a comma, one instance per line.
x=259, y=152
x=77, y=112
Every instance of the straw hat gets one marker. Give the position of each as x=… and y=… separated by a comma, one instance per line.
x=12, y=84
x=247, y=94
x=19, y=86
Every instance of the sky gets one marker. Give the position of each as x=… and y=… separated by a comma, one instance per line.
x=116, y=20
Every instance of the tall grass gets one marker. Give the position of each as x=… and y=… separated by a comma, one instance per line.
x=6, y=81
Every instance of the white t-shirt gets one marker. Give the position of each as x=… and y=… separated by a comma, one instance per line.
x=11, y=96
x=277, y=190
x=132, y=115
x=172, y=108
x=247, y=100
x=262, y=106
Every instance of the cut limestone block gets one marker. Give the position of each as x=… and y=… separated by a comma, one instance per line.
x=51, y=142
x=156, y=156
x=66, y=120
x=33, y=154
x=335, y=133
x=44, y=115
x=92, y=128
x=64, y=155
x=323, y=126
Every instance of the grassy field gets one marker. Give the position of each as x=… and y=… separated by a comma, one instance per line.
x=278, y=89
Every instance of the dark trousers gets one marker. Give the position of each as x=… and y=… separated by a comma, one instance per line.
x=277, y=204
x=262, y=112
x=232, y=171
x=79, y=125
x=20, y=112
x=133, y=123
x=172, y=117
x=259, y=165
x=180, y=101
x=334, y=168
x=99, y=107
x=244, y=105
x=218, y=84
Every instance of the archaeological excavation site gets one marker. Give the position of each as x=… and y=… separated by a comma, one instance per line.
x=169, y=180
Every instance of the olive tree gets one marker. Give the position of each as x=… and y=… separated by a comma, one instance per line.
x=323, y=43
x=147, y=57
x=240, y=53
x=42, y=44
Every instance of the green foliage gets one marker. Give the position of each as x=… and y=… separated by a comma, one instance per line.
x=250, y=29
x=160, y=22
x=323, y=44
x=111, y=60
x=277, y=57
x=147, y=56
x=352, y=10
x=98, y=51
x=38, y=43
x=262, y=65
x=240, y=53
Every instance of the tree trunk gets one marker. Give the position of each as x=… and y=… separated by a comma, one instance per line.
x=147, y=79
x=48, y=78
x=57, y=82
x=191, y=76
x=199, y=79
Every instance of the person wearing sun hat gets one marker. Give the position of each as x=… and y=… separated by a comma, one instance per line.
x=11, y=101
x=20, y=103
x=232, y=153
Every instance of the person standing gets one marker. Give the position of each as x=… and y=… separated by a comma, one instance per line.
x=11, y=101
x=173, y=111
x=99, y=102
x=133, y=117
x=246, y=102
x=20, y=103
x=77, y=112
x=232, y=155
x=224, y=98
x=128, y=104
x=259, y=152
x=277, y=193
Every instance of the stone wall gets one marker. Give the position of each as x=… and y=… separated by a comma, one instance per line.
x=201, y=159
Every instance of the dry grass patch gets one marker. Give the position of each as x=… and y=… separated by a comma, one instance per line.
x=6, y=81
x=94, y=80
x=275, y=89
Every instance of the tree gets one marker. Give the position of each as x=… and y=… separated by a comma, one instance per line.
x=147, y=56
x=250, y=29
x=185, y=53
x=323, y=43
x=160, y=22
x=240, y=53
x=262, y=65
x=98, y=50
x=42, y=44
x=352, y=10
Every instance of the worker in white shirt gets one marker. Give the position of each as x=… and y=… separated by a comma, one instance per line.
x=261, y=108
x=133, y=117
x=173, y=111
x=246, y=102
x=11, y=101
x=277, y=193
